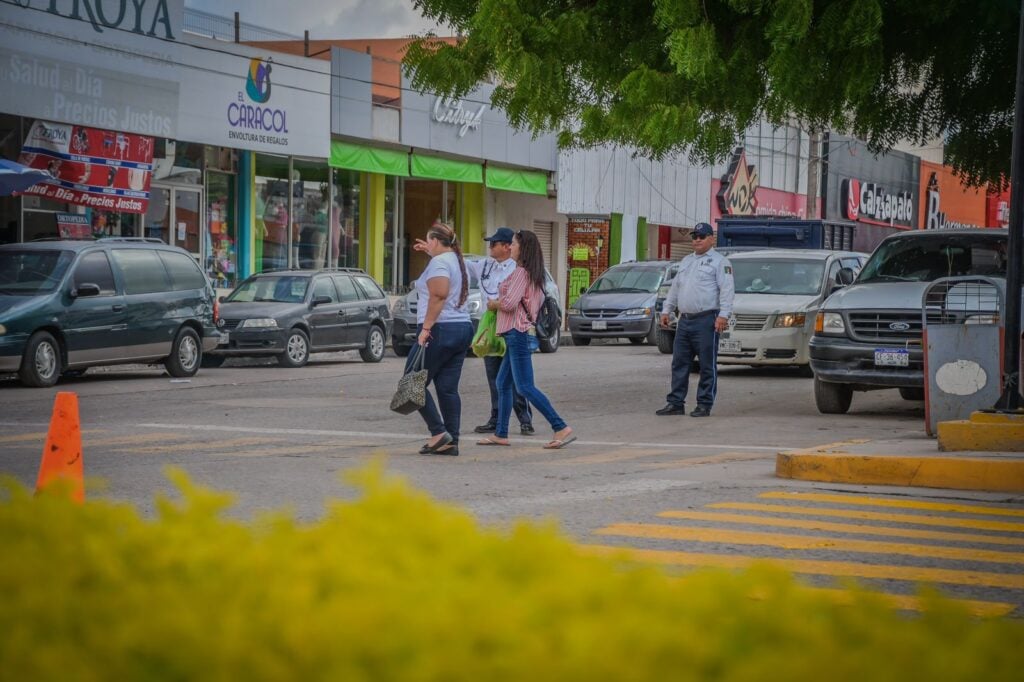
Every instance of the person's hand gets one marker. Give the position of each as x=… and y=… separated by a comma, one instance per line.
x=492, y=304
x=419, y=245
x=424, y=337
x=664, y=320
x=721, y=324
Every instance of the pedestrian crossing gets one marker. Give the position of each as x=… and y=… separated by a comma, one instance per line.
x=969, y=551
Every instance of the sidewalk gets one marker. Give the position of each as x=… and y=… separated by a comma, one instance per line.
x=904, y=462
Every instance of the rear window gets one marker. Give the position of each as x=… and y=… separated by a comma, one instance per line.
x=346, y=288
x=370, y=288
x=143, y=271
x=925, y=259
x=31, y=273
x=184, y=272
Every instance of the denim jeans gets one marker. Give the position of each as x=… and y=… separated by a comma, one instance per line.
x=695, y=336
x=517, y=370
x=520, y=406
x=445, y=353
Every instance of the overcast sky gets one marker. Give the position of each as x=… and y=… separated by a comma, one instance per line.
x=326, y=18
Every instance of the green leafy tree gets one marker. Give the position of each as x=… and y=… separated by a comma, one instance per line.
x=670, y=75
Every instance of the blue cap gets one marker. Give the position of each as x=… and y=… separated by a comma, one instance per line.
x=502, y=234
x=702, y=230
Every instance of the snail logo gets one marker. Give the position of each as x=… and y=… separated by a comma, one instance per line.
x=257, y=84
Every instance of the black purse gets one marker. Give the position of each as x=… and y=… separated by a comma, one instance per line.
x=411, y=393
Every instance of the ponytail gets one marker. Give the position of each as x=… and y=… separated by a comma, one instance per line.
x=446, y=235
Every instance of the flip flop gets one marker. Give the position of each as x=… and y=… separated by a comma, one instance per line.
x=491, y=441
x=557, y=444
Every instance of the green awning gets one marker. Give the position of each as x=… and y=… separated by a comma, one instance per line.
x=436, y=168
x=531, y=182
x=368, y=159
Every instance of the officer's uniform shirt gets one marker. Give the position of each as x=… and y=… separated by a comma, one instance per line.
x=491, y=274
x=703, y=283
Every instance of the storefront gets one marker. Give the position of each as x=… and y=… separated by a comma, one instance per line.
x=948, y=204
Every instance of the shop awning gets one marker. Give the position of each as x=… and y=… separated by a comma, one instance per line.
x=435, y=168
x=368, y=159
x=531, y=182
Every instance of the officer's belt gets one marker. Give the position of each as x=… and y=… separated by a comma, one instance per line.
x=693, y=316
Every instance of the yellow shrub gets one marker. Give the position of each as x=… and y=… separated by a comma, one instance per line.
x=396, y=586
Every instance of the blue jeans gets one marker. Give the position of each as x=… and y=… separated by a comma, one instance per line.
x=445, y=354
x=695, y=336
x=517, y=370
x=520, y=406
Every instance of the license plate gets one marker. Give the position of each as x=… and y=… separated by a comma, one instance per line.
x=892, y=357
x=223, y=341
x=599, y=326
x=726, y=346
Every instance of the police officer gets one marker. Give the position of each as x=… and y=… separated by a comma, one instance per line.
x=491, y=272
x=702, y=292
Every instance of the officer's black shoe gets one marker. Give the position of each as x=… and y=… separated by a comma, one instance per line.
x=671, y=409
x=526, y=429
x=701, y=411
x=486, y=428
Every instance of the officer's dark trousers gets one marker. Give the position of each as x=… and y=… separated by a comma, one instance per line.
x=695, y=336
x=522, y=408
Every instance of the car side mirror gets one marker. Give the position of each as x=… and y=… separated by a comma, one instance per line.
x=320, y=300
x=845, y=277
x=85, y=289
x=222, y=299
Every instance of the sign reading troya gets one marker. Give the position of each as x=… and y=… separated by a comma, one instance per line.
x=155, y=18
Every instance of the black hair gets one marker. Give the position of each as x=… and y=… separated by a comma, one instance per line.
x=444, y=233
x=531, y=258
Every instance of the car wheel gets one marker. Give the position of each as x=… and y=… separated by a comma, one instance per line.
x=581, y=340
x=373, y=351
x=832, y=398
x=912, y=393
x=40, y=365
x=652, y=336
x=186, y=354
x=400, y=350
x=296, y=350
x=212, y=361
x=551, y=345
x=666, y=339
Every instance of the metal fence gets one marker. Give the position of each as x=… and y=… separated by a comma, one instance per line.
x=223, y=28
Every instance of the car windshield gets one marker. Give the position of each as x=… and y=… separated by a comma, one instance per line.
x=32, y=273
x=927, y=258
x=271, y=288
x=628, y=280
x=775, y=276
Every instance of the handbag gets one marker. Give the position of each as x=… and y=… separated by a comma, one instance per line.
x=411, y=393
x=486, y=340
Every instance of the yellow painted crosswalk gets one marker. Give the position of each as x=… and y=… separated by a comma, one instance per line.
x=965, y=549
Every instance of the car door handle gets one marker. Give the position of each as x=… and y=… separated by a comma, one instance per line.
x=117, y=308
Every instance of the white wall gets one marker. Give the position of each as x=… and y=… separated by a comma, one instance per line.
x=518, y=211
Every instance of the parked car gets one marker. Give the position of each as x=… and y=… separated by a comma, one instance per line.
x=868, y=335
x=621, y=303
x=289, y=314
x=404, y=313
x=778, y=294
x=66, y=306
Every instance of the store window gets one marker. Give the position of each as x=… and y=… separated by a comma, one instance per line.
x=311, y=197
x=222, y=232
x=273, y=238
x=345, y=219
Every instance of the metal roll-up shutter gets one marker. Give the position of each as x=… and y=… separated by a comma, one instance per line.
x=679, y=250
x=545, y=235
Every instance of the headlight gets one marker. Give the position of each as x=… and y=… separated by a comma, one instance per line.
x=399, y=305
x=790, y=320
x=3, y=330
x=259, y=323
x=573, y=310
x=637, y=311
x=663, y=290
x=474, y=306
x=830, y=323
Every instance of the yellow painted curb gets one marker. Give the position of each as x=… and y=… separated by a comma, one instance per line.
x=984, y=431
x=959, y=473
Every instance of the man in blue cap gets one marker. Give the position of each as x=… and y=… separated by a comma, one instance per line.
x=702, y=292
x=491, y=272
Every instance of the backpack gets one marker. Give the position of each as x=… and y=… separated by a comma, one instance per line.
x=548, y=321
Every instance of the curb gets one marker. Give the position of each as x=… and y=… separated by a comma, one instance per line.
x=988, y=431
x=959, y=473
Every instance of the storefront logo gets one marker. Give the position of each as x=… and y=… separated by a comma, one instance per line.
x=451, y=112
x=935, y=219
x=871, y=203
x=144, y=17
x=257, y=85
x=738, y=193
x=257, y=118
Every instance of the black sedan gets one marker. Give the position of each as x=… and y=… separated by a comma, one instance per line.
x=289, y=314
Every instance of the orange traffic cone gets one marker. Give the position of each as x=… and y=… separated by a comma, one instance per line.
x=62, y=454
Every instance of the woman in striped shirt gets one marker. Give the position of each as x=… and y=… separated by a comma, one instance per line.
x=520, y=297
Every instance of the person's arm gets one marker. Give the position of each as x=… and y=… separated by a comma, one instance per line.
x=514, y=292
x=726, y=293
x=475, y=267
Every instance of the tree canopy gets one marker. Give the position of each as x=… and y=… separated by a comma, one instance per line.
x=691, y=75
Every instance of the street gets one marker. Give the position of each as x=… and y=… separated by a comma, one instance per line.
x=680, y=491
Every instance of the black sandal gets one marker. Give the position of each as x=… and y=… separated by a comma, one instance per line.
x=429, y=449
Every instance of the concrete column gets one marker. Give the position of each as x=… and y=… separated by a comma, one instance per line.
x=615, y=239
x=249, y=239
x=473, y=221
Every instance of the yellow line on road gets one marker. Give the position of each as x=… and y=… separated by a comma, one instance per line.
x=831, y=527
x=620, y=455
x=920, y=519
x=1012, y=581
x=807, y=542
x=889, y=502
x=201, y=446
x=720, y=458
x=37, y=436
x=134, y=439
x=905, y=602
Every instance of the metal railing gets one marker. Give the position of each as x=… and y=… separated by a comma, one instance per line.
x=223, y=28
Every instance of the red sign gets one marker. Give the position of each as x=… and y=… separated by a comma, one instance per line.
x=101, y=169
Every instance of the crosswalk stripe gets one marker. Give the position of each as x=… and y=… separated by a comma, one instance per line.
x=906, y=602
x=889, y=502
x=917, y=574
x=201, y=445
x=807, y=542
x=828, y=526
x=919, y=519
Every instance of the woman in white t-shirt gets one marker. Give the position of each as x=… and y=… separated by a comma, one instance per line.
x=445, y=334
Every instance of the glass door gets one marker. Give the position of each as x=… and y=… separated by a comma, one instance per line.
x=175, y=216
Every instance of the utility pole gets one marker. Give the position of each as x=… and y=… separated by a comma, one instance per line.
x=1010, y=400
x=813, y=171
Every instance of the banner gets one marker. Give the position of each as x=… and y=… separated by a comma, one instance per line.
x=73, y=226
x=101, y=169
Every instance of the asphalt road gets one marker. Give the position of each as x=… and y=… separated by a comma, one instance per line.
x=684, y=491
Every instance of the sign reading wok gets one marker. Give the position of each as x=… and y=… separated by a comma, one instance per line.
x=101, y=169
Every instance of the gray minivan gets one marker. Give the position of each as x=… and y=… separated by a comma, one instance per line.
x=69, y=305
